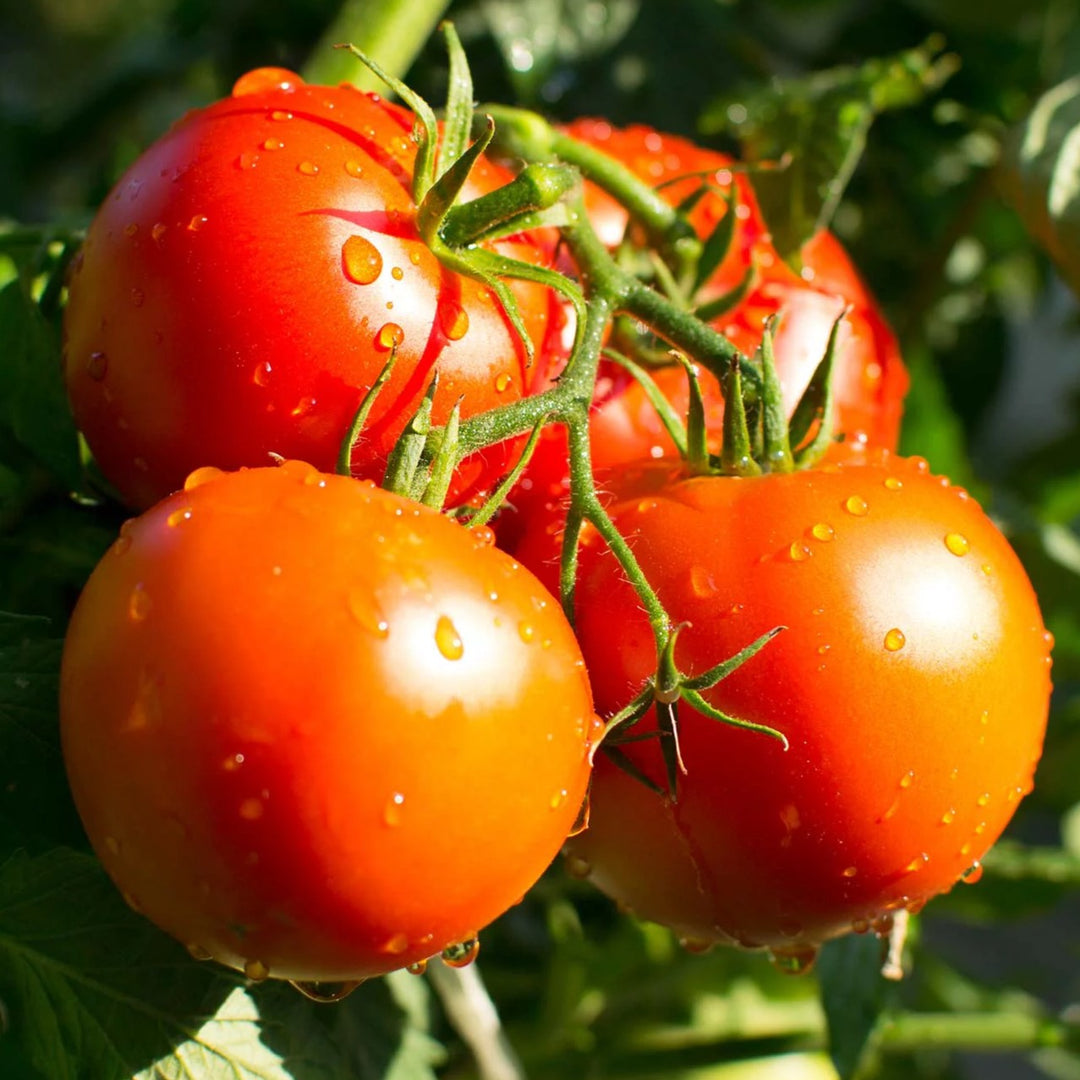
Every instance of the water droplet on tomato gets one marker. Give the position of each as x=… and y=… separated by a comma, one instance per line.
x=798, y=551
x=365, y=609
x=850, y=871
x=138, y=298
x=303, y=407
x=97, y=366
x=397, y=273
x=112, y=845
x=132, y=902
x=907, y=779
x=918, y=862
x=280, y=115
x=949, y=816
x=326, y=992
x=272, y=144
x=823, y=531
x=447, y=639
x=557, y=799
x=417, y=968
x=502, y=382
x=178, y=517
x=392, y=810
x=251, y=809
x=247, y=160
x=260, y=376
x=264, y=79
x=389, y=335
x=139, y=603
x=701, y=582
x=159, y=230
x=794, y=961
x=856, y=506
x=973, y=873
x=983, y=799
x=233, y=762
x=455, y=322
x=121, y=545
x=883, y=925
x=696, y=946
x=197, y=952
x=360, y=260
x=893, y=483
x=131, y=229
x=895, y=640
x=308, y=168
x=396, y=944
x=197, y=222
x=354, y=168
x=957, y=544
x=860, y=926
x=461, y=953
x=256, y=971
x=201, y=476
x=526, y=631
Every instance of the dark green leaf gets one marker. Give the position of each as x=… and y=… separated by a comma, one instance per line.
x=111, y=997
x=808, y=133
x=852, y=993
x=1042, y=176
x=33, y=404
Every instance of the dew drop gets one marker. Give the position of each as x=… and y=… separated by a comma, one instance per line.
x=197, y=952
x=247, y=160
x=178, y=517
x=949, y=816
x=823, y=531
x=326, y=992
x=396, y=944
x=461, y=953
x=799, y=552
x=907, y=779
x=973, y=873
x=272, y=144
x=389, y=336
x=392, y=810
x=957, y=543
x=917, y=863
x=502, y=382
x=251, y=809
x=397, y=273
x=256, y=971
x=138, y=603
x=417, y=968
x=696, y=946
x=308, y=168
x=138, y=298
x=414, y=258
x=201, y=476
x=983, y=799
x=354, y=168
x=447, y=639
x=856, y=506
x=97, y=366
x=365, y=609
x=895, y=640
x=159, y=230
x=850, y=871
x=455, y=321
x=261, y=375
x=795, y=961
x=893, y=483
x=557, y=799
x=280, y=115
x=360, y=260
x=860, y=926
x=197, y=222
x=526, y=631
x=112, y=845
x=303, y=407
x=265, y=79
x=233, y=762
x=131, y=229
x=701, y=582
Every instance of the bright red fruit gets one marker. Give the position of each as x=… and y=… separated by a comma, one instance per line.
x=245, y=281
x=317, y=731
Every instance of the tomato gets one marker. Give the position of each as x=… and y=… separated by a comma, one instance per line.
x=912, y=682
x=317, y=731
x=245, y=281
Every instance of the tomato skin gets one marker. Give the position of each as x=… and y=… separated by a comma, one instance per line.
x=912, y=682
x=218, y=312
x=315, y=729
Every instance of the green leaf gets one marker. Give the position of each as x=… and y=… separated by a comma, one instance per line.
x=113, y=998
x=33, y=404
x=808, y=133
x=852, y=993
x=1042, y=175
x=34, y=797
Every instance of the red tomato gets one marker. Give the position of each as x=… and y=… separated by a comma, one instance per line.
x=244, y=283
x=317, y=731
x=912, y=681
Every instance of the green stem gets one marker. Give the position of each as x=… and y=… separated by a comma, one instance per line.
x=393, y=30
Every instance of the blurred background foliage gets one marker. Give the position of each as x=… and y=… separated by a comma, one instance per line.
x=950, y=220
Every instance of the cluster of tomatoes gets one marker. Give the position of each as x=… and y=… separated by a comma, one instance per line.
x=318, y=731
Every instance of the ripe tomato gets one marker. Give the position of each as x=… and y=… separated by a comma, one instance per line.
x=870, y=379
x=245, y=281
x=912, y=681
x=317, y=731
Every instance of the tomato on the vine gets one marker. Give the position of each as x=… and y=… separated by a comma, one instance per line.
x=247, y=279
x=912, y=681
x=317, y=731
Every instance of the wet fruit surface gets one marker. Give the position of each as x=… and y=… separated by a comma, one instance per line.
x=247, y=280
x=912, y=682
x=304, y=731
